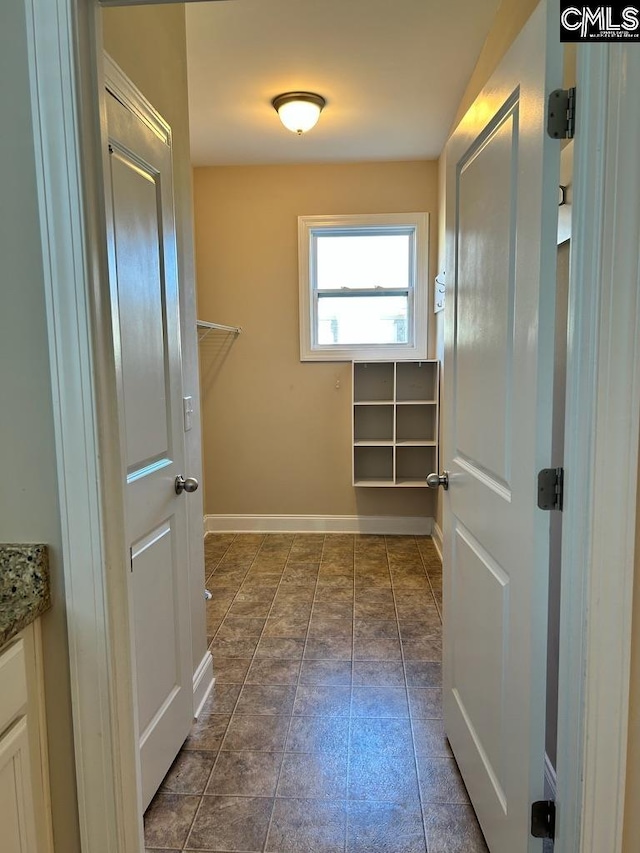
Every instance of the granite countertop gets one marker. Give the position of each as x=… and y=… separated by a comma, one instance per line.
x=24, y=587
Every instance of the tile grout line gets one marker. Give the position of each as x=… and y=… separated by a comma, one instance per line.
x=215, y=763
x=197, y=811
x=435, y=599
x=424, y=823
x=252, y=659
x=233, y=600
x=306, y=638
x=406, y=687
x=350, y=719
x=314, y=603
x=220, y=559
x=252, y=655
x=237, y=593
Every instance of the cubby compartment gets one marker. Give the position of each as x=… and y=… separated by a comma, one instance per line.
x=373, y=382
x=416, y=381
x=413, y=464
x=373, y=466
x=416, y=424
x=395, y=422
x=373, y=424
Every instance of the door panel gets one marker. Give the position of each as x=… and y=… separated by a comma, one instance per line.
x=481, y=587
x=502, y=177
x=484, y=352
x=155, y=607
x=138, y=232
x=144, y=300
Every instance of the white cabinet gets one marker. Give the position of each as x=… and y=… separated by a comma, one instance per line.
x=17, y=815
x=24, y=803
x=395, y=422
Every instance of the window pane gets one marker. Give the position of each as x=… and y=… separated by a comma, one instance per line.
x=345, y=320
x=362, y=261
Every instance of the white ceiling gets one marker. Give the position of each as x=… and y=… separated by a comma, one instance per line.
x=392, y=71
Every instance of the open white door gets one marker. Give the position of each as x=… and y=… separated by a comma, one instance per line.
x=146, y=329
x=502, y=201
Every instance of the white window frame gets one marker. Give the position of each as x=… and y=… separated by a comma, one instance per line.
x=416, y=347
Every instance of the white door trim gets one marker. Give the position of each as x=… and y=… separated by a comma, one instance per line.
x=604, y=311
x=601, y=454
x=123, y=89
x=65, y=73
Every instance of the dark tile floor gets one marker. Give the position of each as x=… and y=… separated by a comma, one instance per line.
x=324, y=732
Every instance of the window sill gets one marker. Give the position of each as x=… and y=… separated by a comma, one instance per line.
x=380, y=352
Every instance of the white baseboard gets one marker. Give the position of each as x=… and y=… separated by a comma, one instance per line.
x=390, y=524
x=436, y=535
x=203, y=681
x=550, y=779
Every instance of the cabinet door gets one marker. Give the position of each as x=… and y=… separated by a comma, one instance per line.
x=17, y=818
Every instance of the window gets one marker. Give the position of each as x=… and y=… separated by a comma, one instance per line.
x=363, y=287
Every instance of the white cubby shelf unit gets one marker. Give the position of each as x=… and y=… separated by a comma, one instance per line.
x=395, y=422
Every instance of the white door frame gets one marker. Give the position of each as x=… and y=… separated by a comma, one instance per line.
x=66, y=79
x=601, y=454
x=604, y=347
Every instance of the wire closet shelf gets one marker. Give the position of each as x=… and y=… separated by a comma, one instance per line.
x=205, y=328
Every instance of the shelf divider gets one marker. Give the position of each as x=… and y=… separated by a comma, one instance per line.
x=395, y=453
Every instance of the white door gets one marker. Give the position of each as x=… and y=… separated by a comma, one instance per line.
x=502, y=198
x=144, y=298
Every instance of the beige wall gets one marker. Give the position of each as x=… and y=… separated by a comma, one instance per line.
x=149, y=44
x=29, y=489
x=509, y=20
x=277, y=432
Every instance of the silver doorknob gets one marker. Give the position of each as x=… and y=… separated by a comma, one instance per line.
x=188, y=485
x=435, y=480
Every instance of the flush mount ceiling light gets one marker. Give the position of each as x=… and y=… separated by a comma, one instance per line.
x=299, y=111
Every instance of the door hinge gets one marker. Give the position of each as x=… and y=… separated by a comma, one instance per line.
x=550, y=488
x=561, y=114
x=543, y=819
x=131, y=559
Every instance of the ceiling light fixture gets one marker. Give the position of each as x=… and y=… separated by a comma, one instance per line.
x=299, y=111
